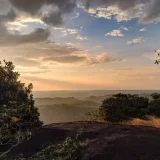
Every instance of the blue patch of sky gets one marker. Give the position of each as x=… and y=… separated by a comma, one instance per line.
x=96, y=28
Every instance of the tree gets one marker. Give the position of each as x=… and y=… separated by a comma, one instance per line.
x=154, y=105
x=17, y=112
x=121, y=107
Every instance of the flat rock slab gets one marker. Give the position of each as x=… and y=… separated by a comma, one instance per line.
x=106, y=141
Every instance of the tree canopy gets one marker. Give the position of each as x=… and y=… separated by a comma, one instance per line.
x=18, y=115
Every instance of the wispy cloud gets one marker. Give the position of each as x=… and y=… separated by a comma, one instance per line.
x=81, y=38
x=77, y=15
x=115, y=33
x=136, y=41
x=143, y=29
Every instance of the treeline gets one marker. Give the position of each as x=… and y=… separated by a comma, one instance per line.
x=123, y=107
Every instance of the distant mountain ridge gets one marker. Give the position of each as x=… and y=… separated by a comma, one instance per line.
x=86, y=93
x=67, y=100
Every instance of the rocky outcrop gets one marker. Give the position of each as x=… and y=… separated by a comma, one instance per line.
x=106, y=141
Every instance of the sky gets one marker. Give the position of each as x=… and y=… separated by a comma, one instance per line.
x=82, y=44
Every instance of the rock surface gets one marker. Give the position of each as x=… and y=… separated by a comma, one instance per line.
x=106, y=141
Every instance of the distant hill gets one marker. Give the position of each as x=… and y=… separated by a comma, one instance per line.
x=59, y=109
x=68, y=100
x=54, y=110
x=97, y=99
x=82, y=94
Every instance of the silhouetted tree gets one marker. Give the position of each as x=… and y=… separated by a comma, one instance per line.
x=17, y=112
x=121, y=107
x=154, y=105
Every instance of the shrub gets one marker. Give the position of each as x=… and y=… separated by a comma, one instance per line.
x=154, y=105
x=121, y=107
x=70, y=149
x=17, y=112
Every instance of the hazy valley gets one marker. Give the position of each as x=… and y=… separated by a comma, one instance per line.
x=56, y=109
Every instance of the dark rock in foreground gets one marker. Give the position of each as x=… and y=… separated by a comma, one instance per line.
x=106, y=141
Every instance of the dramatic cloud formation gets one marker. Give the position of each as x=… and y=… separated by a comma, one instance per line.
x=151, y=12
x=10, y=10
x=53, y=13
x=61, y=37
x=56, y=14
x=15, y=39
x=124, y=10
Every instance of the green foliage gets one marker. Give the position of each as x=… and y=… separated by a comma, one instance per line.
x=155, y=96
x=17, y=112
x=70, y=149
x=154, y=105
x=121, y=107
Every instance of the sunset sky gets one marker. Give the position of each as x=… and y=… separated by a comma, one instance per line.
x=82, y=44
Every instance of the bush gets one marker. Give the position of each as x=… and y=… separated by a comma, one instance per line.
x=17, y=112
x=154, y=105
x=121, y=107
x=70, y=149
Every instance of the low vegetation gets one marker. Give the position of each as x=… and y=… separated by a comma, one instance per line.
x=73, y=148
x=124, y=107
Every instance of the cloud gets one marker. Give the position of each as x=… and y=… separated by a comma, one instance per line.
x=66, y=59
x=5, y=7
x=48, y=81
x=100, y=59
x=36, y=36
x=12, y=26
x=53, y=19
x=136, y=41
x=124, y=28
x=14, y=12
x=35, y=8
x=20, y=61
x=151, y=12
x=115, y=33
x=77, y=15
x=123, y=10
x=119, y=10
x=67, y=31
x=43, y=53
x=123, y=4
x=38, y=50
x=10, y=16
x=143, y=30
x=81, y=38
